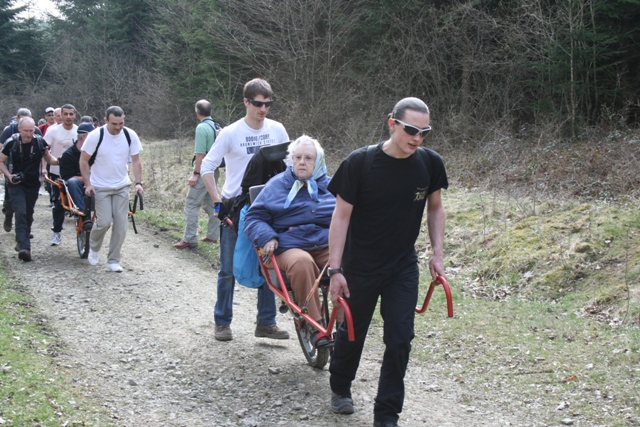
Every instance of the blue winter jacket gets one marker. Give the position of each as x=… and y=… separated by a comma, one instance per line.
x=304, y=224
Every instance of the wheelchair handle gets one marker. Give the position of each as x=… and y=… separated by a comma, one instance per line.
x=439, y=280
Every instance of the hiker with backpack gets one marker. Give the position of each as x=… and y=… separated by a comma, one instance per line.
x=382, y=191
x=10, y=130
x=104, y=166
x=21, y=163
x=198, y=197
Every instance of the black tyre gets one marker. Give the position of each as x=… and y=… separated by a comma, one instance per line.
x=316, y=357
x=83, y=239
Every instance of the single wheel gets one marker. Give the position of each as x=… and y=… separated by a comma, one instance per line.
x=82, y=238
x=316, y=357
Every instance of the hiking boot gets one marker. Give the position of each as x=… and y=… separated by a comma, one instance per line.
x=114, y=267
x=182, y=245
x=93, y=257
x=56, y=239
x=386, y=423
x=25, y=255
x=223, y=333
x=208, y=240
x=8, y=223
x=341, y=404
x=271, y=331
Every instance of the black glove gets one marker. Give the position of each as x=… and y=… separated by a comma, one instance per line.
x=221, y=210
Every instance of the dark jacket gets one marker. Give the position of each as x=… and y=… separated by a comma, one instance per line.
x=70, y=163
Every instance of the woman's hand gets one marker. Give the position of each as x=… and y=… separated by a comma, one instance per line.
x=338, y=287
x=270, y=247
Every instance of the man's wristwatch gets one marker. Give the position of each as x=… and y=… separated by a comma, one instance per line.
x=196, y=173
x=332, y=271
x=139, y=183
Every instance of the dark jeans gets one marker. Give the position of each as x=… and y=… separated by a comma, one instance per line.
x=23, y=201
x=398, y=294
x=7, y=209
x=57, y=212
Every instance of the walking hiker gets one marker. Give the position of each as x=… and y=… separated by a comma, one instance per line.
x=24, y=152
x=237, y=143
x=198, y=197
x=104, y=167
x=381, y=194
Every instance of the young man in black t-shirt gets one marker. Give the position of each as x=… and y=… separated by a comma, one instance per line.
x=381, y=196
x=25, y=152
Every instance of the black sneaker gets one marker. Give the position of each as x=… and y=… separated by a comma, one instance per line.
x=386, y=423
x=8, y=223
x=341, y=404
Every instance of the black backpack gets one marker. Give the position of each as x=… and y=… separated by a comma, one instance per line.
x=93, y=156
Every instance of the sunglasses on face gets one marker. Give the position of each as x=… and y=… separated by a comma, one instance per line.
x=259, y=104
x=412, y=130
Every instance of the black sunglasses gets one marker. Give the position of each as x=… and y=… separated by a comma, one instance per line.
x=259, y=104
x=412, y=130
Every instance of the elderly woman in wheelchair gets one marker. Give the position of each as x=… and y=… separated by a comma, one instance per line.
x=290, y=218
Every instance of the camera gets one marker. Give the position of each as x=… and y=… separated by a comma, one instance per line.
x=17, y=177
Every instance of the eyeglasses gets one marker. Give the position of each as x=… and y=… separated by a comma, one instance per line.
x=412, y=130
x=259, y=104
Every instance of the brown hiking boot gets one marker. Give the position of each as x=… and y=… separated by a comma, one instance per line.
x=223, y=333
x=271, y=331
x=182, y=245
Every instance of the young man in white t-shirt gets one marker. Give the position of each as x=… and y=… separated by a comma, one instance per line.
x=237, y=143
x=108, y=178
x=60, y=138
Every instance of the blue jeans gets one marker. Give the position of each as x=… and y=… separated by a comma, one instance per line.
x=398, y=292
x=223, y=310
x=76, y=191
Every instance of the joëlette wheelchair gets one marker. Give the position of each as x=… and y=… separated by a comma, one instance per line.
x=84, y=219
x=264, y=165
x=305, y=325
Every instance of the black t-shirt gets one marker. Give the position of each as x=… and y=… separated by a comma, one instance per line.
x=70, y=163
x=387, y=207
x=26, y=158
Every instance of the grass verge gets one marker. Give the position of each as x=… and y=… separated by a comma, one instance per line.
x=34, y=390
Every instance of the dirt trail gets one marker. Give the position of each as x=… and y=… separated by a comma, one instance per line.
x=141, y=344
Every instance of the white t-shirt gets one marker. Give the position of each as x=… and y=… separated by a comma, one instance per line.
x=59, y=139
x=110, y=168
x=237, y=143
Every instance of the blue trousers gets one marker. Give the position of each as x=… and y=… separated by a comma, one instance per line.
x=76, y=191
x=398, y=293
x=223, y=310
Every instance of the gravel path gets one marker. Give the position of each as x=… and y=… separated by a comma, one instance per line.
x=141, y=344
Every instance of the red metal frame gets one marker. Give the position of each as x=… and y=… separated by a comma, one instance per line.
x=67, y=202
x=283, y=294
x=439, y=280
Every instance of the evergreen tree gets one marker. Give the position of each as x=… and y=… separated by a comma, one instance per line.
x=20, y=44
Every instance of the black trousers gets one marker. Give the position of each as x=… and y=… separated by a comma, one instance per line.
x=7, y=209
x=57, y=211
x=23, y=201
x=398, y=294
